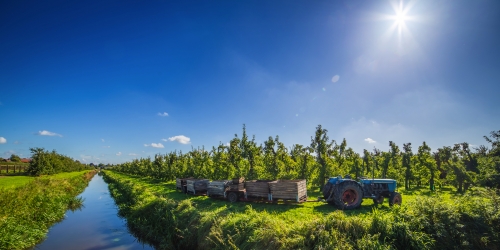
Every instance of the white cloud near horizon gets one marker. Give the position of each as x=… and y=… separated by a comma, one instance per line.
x=48, y=133
x=180, y=139
x=163, y=114
x=133, y=154
x=3, y=140
x=370, y=140
x=119, y=153
x=154, y=145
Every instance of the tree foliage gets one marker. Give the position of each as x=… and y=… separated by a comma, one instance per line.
x=457, y=165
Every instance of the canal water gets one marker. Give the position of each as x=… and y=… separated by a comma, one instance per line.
x=95, y=226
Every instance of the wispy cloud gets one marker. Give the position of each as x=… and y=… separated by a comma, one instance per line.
x=180, y=139
x=119, y=153
x=9, y=153
x=154, y=145
x=163, y=114
x=3, y=140
x=370, y=140
x=48, y=133
x=102, y=140
x=133, y=154
x=17, y=142
x=106, y=146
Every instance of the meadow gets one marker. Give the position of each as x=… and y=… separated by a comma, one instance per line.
x=443, y=219
x=30, y=205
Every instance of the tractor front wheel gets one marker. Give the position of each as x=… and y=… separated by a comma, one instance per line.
x=350, y=195
x=395, y=199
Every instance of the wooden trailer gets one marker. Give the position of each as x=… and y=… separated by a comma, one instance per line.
x=197, y=186
x=288, y=190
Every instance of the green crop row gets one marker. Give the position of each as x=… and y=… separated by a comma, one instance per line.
x=167, y=219
x=27, y=211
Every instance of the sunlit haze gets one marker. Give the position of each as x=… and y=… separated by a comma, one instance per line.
x=111, y=81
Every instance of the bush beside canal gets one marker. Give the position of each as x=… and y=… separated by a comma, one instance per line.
x=28, y=211
x=159, y=215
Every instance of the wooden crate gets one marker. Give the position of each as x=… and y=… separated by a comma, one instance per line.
x=217, y=188
x=197, y=185
x=238, y=180
x=236, y=187
x=180, y=182
x=289, y=190
x=257, y=188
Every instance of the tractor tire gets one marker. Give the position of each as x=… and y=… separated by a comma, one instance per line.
x=378, y=200
x=232, y=197
x=395, y=199
x=350, y=195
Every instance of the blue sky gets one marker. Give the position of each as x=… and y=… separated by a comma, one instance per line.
x=95, y=80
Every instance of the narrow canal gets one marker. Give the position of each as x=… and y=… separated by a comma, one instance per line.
x=95, y=226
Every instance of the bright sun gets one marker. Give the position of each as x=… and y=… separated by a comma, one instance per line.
x=400, y=18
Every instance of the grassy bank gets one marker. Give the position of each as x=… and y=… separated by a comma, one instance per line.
x=29, y=206
x=9, y=182
x=158, y=214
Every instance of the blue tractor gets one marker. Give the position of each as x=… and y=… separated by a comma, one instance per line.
x=346, y=193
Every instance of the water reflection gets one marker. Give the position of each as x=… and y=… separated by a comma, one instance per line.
x=95, y=226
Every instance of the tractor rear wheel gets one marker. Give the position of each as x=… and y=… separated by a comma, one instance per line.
x=232, y=197
x=395, y=199
x=350, y=195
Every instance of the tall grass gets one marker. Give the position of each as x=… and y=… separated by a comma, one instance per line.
x=170, y=220
x=28, y=211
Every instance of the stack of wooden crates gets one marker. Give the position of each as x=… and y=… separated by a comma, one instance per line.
x=196, y=186
x=217, y=188
x=258, y=188
x=295, y=190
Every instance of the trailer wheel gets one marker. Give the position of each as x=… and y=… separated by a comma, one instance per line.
x=350, y=195
x=395, y=199
x=232, y=197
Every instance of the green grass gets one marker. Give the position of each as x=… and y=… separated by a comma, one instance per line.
x=9, y=182
x=168, y=219
x=28, y=210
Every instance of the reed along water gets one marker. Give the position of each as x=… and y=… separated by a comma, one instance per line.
x=95, y=226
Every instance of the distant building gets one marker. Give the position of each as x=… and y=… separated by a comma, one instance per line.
x=25, y=160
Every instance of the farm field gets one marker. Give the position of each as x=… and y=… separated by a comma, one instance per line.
x=166, y=218
x=9, y=182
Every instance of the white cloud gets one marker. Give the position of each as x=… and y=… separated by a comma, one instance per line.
x=102, y=140
x=17, y=142
x=119, y=153
x=370, y=140
x=48, y=133
x=154, y=145
x=180, y=139
x=164, y=139
x=106, y=146
x=335, y=78
x=3, y=140
x=163, y=114
x=133, y=154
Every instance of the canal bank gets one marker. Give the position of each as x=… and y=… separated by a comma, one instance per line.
x=95, y=225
